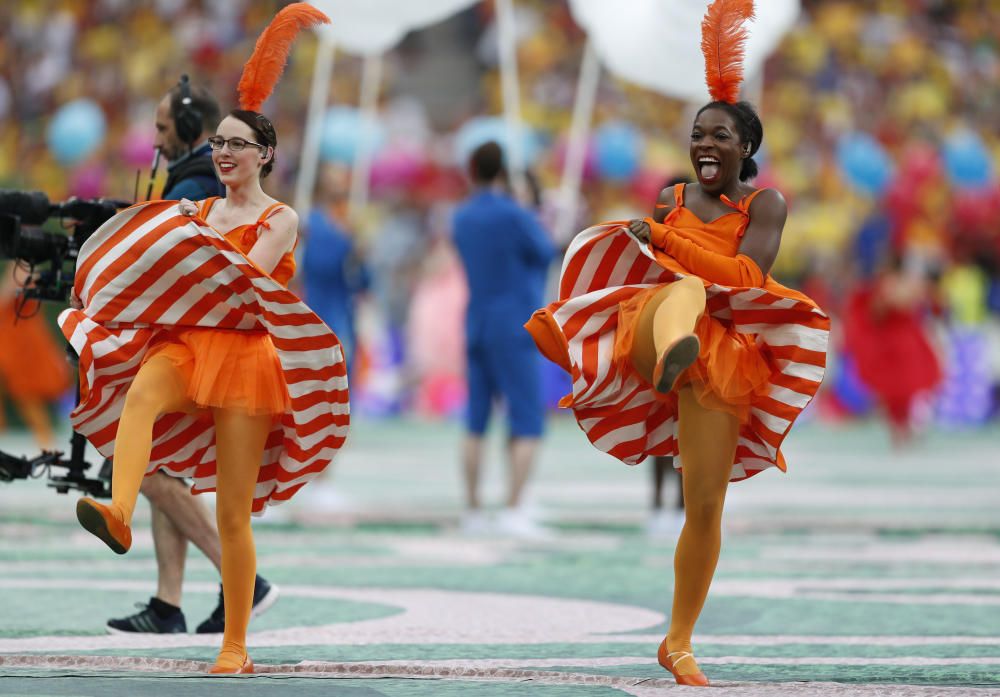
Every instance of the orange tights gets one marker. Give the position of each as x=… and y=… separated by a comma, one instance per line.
x=240, y=437
x=707, y=443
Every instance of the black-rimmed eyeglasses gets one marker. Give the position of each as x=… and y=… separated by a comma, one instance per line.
x=235, y=144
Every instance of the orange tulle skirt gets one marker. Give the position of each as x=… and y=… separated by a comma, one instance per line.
x=226, y=368
x=730, y=372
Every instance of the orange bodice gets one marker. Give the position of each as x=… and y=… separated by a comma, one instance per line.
x=722, y=235
x=244, y=237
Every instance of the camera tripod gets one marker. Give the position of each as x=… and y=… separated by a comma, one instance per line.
x=14, y=467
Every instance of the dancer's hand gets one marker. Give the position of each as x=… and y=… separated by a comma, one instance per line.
x=188, y=207
x=74, y=300
x=640, y=230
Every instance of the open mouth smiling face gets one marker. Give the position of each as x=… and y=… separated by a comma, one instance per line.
x=716, y=149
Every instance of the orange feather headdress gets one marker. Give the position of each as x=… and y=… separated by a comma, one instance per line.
x=723, y=38
x=265, y=66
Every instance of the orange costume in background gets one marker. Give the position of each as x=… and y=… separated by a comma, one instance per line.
x=32, y=366
x=33, y=369
x=763, y=346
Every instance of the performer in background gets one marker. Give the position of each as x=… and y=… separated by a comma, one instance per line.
x=34, y=371
x=885, y=331
x=679, y=342
x=505, y=254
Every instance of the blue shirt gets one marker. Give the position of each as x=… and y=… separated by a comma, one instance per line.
x=333, y=275
x=506, y=255
x=197, y=187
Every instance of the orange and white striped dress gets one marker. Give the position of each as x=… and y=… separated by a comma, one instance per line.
x=763, y=352
x=150, y=276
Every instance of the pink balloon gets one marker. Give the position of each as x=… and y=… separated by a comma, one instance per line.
x=88, y=181
x=396, y=168
x=646, y=185
x=137, y=146
x=589, y=159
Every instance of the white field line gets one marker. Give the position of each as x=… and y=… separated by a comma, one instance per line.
x=464, y=666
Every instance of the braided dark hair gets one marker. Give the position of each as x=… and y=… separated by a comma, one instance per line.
x=263, y=131
x=750, y=128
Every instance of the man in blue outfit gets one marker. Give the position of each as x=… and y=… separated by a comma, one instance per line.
x=185, y=118
x=506, y=254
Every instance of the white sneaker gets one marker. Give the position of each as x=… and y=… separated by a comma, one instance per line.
x=514, y=522
x=475, y=523
x=665, y=524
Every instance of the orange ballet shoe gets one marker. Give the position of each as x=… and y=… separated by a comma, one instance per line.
x=674, y=361
x=669, y=660
x=221, y=668
x=101, y=521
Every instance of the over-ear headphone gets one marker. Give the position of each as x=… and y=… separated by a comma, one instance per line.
x=187, y=119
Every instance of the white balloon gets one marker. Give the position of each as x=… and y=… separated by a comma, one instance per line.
x=374, y=26
x=657, y=43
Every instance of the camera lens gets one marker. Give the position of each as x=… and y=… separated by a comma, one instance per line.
x=36, y=246
x=32, y=207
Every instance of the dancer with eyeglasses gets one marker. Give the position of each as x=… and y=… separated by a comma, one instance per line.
x=185, y=117
x=234, y=372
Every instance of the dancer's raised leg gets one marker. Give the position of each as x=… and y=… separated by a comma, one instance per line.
x=669, y=317
x=157, y=389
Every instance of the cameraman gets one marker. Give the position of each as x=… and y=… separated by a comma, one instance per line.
x=185, y=118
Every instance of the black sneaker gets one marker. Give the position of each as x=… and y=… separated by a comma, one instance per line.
x=264, y=596
x=146, y=621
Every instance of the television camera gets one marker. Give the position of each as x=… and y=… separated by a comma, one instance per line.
x=50, y=259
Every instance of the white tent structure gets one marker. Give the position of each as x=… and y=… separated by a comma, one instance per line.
x=367, y=28
x=655, y=44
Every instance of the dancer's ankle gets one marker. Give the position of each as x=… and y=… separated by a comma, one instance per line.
x=676, y=648
x=231, y=658
x=118, y=511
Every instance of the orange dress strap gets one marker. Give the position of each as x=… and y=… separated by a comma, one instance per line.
x=206, y=206
x=748, y=199
x=743, y=205
x=269, y=211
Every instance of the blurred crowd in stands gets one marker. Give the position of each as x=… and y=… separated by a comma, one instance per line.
x=880, y=130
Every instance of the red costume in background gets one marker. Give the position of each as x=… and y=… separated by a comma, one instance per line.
x=891, y=350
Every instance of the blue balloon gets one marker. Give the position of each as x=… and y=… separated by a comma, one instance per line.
x=618, y=147
x=967, y=161
x=483, y=129
x=76, y=130
x=343, y=132
x=864, y=163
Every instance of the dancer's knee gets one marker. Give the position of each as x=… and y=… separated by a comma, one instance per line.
x=704, y=514
x=693, y=288
x=144, y=398
x=233, y=521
